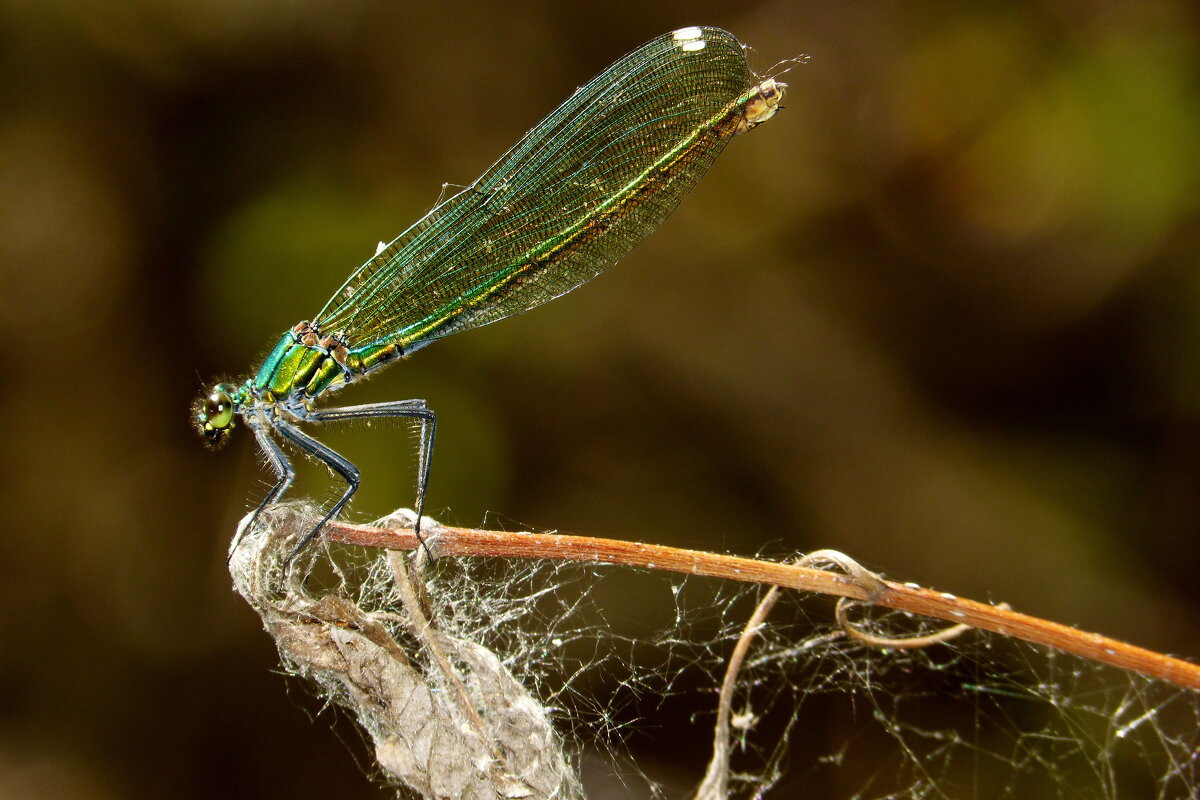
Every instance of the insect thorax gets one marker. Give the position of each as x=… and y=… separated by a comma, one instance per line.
x=306, y=362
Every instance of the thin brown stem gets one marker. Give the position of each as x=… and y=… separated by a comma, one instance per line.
x=902, y=597
x=716, y=779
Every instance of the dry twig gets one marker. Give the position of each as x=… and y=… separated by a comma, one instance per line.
x=900, y=596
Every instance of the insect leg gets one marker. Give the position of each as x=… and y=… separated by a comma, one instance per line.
x=329, y=458
x=284, y=475
x=414, y=409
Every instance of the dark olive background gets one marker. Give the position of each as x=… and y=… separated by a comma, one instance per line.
x=942, y=313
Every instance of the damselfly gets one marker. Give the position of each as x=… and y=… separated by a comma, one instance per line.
x=572, y=197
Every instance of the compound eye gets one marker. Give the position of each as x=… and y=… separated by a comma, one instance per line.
x=218, y=410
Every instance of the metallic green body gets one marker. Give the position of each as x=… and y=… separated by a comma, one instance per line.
x=298, y=370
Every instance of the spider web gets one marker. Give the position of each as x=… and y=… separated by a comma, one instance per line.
x=815, y=713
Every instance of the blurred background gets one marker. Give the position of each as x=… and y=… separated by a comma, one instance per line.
x=942, y=314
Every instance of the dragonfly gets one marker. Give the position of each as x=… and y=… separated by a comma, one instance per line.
x=567, y=201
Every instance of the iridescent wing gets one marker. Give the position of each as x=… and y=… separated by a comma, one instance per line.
x=574, y=195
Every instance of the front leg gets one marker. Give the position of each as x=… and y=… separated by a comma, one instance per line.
x=284, y=475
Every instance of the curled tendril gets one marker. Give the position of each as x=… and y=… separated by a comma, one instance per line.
x=874, y=586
